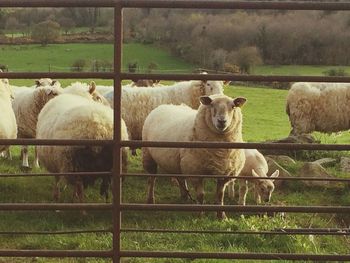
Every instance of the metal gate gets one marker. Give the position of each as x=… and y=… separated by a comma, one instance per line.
x=117, y=76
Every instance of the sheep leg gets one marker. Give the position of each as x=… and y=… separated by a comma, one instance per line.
x=243, y=190
x=220, y=193
x=36, y=158
x=183, y=188
x=231, y=189
x=199, y=187
x=24, y=155
x=151, y=183
x=150, y=167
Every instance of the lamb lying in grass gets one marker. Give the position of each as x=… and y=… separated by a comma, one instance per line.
x=218, y=119
x=255, y=165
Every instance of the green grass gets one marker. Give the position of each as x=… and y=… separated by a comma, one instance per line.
x=264, y=118
x=297, y=70
x=60, y=57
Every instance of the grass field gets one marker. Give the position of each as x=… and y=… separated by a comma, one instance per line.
x=264, y=118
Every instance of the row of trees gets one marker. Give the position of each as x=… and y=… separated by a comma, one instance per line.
x=214, y=39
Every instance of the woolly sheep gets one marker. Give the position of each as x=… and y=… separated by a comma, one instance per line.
x=322, y=107
x=218, y=119
x=43, y=82
x=138, y=103
x=8, y=126
x=255, y=165
x=71, y=116
x=27, y=105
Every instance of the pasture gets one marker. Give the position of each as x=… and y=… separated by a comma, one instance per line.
x=264, y=118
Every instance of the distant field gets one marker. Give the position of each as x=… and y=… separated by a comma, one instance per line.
x=60, y=57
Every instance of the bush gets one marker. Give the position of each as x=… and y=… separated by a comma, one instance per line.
x=78, y=65
x=132, y=67
x=335, y=72
x=46, y=32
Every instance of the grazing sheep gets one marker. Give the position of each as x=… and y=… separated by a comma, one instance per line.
x=218, y=119
x=8, y=126
x=27, y=105
x=78, y=116
x=138, y=103
x=255, y=165
x=322, y=107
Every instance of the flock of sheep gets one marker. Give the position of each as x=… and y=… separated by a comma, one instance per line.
x=184, y=111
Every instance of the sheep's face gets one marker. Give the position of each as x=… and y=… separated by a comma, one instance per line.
x=212, y=87
x=265, y=187
x=47, y=82
x=223, y=111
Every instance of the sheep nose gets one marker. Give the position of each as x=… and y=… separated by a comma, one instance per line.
x=222, y=123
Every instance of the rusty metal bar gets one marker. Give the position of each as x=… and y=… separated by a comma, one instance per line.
x=53, y=206
x=235, y=77
x=56, y=253
x=199, y=4
x=211, y=176
x=237, y=145
x=291, y=232
x=117, y=159
x=57, y=75
x=55, y=174
x=221, y=255
x=54, y=142
x=236, y=208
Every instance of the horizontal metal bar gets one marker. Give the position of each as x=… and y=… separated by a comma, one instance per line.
x=291, y=5
x=55, y=142
x=57, y=3
x=56, y=253
x=51, y=206
x=238, y=145
x=338, y=232
x=55, y=232
x=57, y=75
x=56, y=174
x=222, y=255
x=235, y=77
x=198, y=4
x=235, y=208
x=301, y=178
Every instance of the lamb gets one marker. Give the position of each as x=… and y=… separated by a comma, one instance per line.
x=26, y=105
x=138, y=103
x=322, y=107
x=78, y=116
x=255, y=165
x=8, y=125
x=218, y=119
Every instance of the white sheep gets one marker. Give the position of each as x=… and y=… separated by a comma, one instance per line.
x=78, y=116
x=8, y=126
x=218, y=119
x=322, y=107
x=255, y=165
x=27, y=105
x=43, y=82
x=138, y=103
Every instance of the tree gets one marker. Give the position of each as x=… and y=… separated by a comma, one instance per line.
x=46, y=32
x=12, y=25
x=66, y=24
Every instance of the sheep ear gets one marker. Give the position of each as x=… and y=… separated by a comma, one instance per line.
x=92, y=87
x=239, y=102
x=37, y=83
x=53, y=82
x=227, y=82
x=275, y=174
x=254, y=173
x=205, y=100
